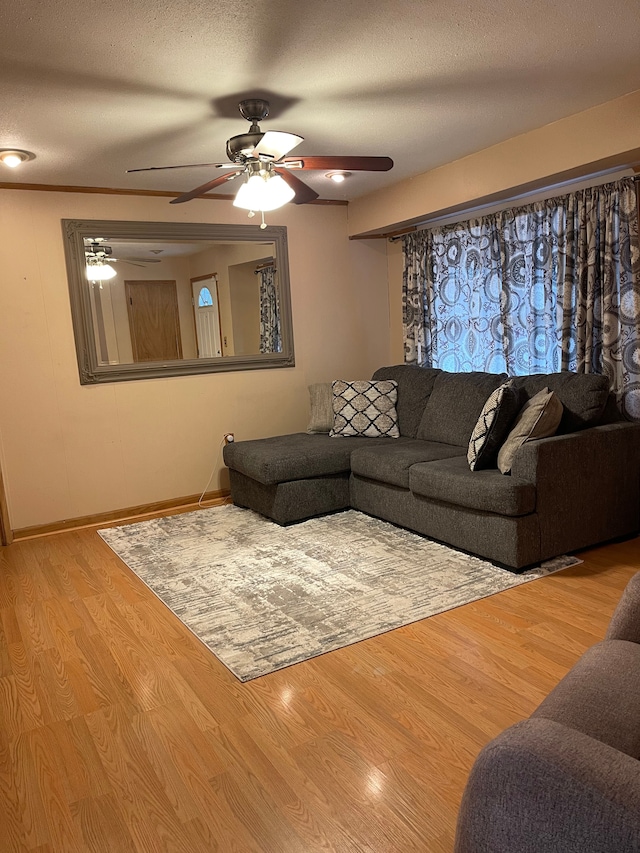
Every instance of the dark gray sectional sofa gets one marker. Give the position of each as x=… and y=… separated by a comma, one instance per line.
x=575, y=489
x=567, y=780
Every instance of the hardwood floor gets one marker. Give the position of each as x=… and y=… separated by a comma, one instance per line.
x=120, y=732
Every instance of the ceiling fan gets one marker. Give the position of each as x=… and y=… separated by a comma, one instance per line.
x=261, y=157
x=98, y=256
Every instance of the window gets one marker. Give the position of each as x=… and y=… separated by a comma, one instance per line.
x=205, y=300
x=544, y=287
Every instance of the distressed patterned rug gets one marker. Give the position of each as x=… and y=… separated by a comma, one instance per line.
x=263, y=597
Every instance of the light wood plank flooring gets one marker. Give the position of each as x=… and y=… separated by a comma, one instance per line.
x=120, y=732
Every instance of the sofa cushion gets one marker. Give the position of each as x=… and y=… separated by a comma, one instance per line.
x=538, y=418
x=455, y=404
x=600, y=696
x=364, y=407
x=390, y=463
x=415, y=385
x=583, y=395
x=451, y=481
x=321, y=404
x=495, y=421
x=293, y=457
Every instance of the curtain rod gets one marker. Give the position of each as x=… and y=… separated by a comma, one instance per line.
x=422, y=226
x=266, y=266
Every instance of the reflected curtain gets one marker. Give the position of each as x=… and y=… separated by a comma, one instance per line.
x=270, y=331
x=535, y=289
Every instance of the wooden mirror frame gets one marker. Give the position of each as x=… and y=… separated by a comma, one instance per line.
x=91, y=372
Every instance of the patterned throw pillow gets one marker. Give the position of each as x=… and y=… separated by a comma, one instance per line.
x=495, y=421
x=365, y=408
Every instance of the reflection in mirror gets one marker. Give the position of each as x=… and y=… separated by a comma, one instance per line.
x=153, y=299
x=159, y=305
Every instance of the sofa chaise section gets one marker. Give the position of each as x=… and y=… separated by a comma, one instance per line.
x=290, y=478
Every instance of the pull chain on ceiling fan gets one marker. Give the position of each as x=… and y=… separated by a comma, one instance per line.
x=261, y=158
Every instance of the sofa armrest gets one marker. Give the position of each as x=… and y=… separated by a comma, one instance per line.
x=587, y=485
x=541, y=787
x=609, y=444
x=625, y=622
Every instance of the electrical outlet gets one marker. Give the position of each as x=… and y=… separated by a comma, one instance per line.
x=228, y=437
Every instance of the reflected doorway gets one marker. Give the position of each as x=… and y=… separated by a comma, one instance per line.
x=206, y=308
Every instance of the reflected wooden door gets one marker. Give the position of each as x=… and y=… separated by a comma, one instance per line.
x=154, y=321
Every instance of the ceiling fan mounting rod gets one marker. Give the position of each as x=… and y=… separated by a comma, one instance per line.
x=254, y=109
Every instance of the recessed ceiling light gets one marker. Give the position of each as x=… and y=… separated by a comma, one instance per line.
x=338, y=177
x=12, y=157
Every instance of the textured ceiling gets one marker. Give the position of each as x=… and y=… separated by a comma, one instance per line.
x=94, y=89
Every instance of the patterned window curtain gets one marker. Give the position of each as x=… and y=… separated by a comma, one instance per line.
x=270, y=331
x=600, y=298
x=416, y=298
x=553, y=285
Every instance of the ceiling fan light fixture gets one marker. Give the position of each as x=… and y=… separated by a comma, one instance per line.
x=13, y=157
x=338, y=177
x=99, y=271
x=263, y=192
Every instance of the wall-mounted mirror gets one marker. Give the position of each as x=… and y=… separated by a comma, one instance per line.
x=151, y=299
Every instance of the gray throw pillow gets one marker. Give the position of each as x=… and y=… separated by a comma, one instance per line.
x=495, y=421
x=539, y=418
x=365, y=408
x=321, y=399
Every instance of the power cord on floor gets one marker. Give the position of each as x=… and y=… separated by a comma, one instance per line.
x=215, y=468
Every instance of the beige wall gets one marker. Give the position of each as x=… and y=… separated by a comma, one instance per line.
x=70, y=450
x=602, y=137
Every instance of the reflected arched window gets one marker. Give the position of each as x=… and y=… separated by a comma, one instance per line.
x=204, y=298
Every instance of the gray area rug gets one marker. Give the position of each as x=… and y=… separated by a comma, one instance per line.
x=263, y=597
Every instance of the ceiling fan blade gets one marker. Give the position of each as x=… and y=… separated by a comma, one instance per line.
x=303, y=192
x=140, y=260
x=346, y=164
x=186, y=166
x=275, y=144
x=201, y=190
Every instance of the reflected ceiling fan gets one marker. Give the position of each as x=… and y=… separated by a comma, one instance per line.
x=261, y=158
x=98, y=257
